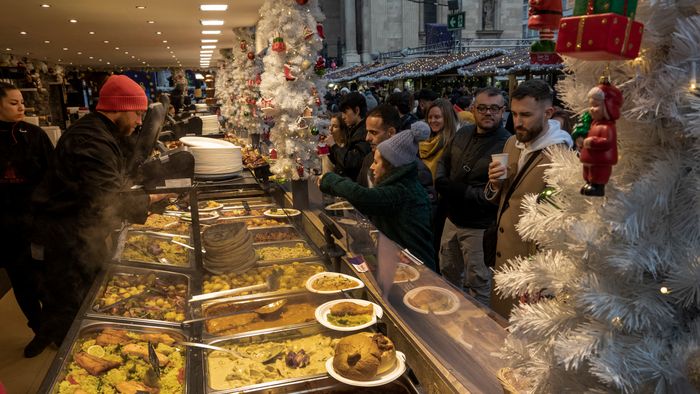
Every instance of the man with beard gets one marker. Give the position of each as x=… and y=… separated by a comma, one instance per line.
x=81, y=200
x=531, y=109
x=462, y=173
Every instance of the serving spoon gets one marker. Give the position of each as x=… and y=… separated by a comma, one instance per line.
x=266, y=309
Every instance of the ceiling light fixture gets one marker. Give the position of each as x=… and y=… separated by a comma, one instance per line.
x=80, y=53
x=133, y=57
x=109, y=63
x=126, y=52
x=116, y=48
x=140, y=7
x=211, y=32
x=73, y=20
x=203, y=52
x=151, y=22
x=8, y=49
x=91, y=32
x=24, y=33
x=60, y=60
x=47, y=42
x=167, y=47
x=206, y=40
x=165, y=41
x=90, y=57
x=65, y=49
x=159, y=33
x=211, y=22
x=213, y=7
x=45, y=5
x=208, y=46
x=106, y=41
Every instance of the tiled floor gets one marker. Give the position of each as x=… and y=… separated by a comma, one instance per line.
x=19, y=375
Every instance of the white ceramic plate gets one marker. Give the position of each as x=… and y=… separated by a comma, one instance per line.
x=453, y=298
x=209, y=209
x=204, y=142
x=413, y=273
x=323, y=310
x=204, y=217
x=386, y=377
x=281, y=212
x=312, y=279
x=340, y=206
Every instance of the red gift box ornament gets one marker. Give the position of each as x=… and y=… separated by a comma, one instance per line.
x=278, y=44
x=608, y=36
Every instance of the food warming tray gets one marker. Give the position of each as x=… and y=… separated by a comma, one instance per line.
x=286, y=244
x=267, y=230
x=152, y=260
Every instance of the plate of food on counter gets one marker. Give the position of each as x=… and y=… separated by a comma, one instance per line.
x=209, y=205
x=332, y=282
x=204, y=217
x=348, y=315
x=281, y=212
x=366, y=359
x=431, y=299
x=405, y=273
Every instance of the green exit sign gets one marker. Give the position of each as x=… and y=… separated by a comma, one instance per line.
x=455, y=21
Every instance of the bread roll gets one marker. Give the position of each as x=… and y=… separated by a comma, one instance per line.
x=364, y=355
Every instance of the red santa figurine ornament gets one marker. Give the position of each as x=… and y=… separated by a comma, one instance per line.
x=599, y=152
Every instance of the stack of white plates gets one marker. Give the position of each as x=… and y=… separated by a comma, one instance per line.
x=210, y=124
x=213, y=156
x=201, y=107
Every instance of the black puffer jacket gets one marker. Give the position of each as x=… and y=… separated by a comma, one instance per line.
x=461, y=176
x=83, y=196
x=348, y=159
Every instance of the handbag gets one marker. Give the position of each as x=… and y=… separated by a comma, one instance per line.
x=490, y=239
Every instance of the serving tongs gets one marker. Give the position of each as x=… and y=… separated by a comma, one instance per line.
x=152, y=376
x=246, y=207
x=125, y=300
x=272, y=284
x=266, y=359
x=263, y=310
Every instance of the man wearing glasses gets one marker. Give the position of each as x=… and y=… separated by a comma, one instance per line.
x=81, y=201
x=462, y=174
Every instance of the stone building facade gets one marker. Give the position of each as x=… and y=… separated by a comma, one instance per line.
x=358, y=29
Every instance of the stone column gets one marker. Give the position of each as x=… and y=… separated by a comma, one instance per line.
x=366, y=32
x=350, y=56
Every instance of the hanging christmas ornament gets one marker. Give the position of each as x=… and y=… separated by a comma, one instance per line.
x=544, y=16
x=258, y=79
x=308, y=34
x=319, y=30
x=273, y=154
x=318, y=101
x=320, y=67
x=599, y=152
x=314, y=131
x=305, y=64
x=278, y=44
x=251, y=55
x=302, y=2
x=322, y=148
x=581, y=129
x=244, y=45
x=546, y=196
x=601, y=30
x=307, y=112
x=288, y=73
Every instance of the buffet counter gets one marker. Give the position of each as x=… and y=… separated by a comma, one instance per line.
x=151, y=317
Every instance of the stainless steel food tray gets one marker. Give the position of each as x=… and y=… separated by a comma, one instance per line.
x=290, y=243
x=273, y=293
x=154, y=262
x=248, y=305
x=267, y=336
x=282, y=221
x=328, y=385
x=127, y=270
x=284, y=228
x=90, y=328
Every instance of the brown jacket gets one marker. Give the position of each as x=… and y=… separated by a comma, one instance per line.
x=509, y=243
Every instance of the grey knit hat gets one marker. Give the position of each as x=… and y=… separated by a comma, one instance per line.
x=402, y=148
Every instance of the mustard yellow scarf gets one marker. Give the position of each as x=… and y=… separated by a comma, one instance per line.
x=430, y=152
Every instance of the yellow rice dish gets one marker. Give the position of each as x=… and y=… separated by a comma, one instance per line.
x=270, y=253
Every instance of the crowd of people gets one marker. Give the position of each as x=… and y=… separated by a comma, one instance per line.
x=425, y=174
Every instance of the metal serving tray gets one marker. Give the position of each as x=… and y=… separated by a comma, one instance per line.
x=301, y=289
x=258, y=200
x=90, y=329
x=267, y=230
x=278, y=221
x=226, y=306
x=328, y=385
x=262, y=337
x=153, y=260
x=130, y=272
x=261, y=262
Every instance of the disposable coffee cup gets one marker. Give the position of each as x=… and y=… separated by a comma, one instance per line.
x=503, y=159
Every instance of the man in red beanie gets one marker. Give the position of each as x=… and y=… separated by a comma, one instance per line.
x=81, y=201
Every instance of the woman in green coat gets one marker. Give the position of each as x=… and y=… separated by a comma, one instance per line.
x=397, y=204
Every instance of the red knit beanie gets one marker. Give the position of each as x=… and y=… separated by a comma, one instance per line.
x=121, y=94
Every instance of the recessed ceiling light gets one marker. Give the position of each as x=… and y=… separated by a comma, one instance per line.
x=24, y=33
x=173, y=55
x=211, y=22
x=143, y=62
x=106, y=41
x=90, y=57
x=205, y=40
x=116, y=48
x=159, y=33
x=109, y=63
x=172, y=52
x=151, y=22
x=208, y=46
x=167, y=47
x=211, y=31
x=91, y=32
x=99, y=60
x=45, y=5
x=80, y=53
x=8, y=49
x=47, y=42
x=213, y=7
x=126, y=52
x=132, y=56
x=73, y=20
x=60, y=60
x=165, y=41
x=65, y=49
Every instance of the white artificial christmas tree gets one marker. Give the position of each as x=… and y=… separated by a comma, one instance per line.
x=290, y=84
x=224, y=86
x=245, y=86
x=622, y=272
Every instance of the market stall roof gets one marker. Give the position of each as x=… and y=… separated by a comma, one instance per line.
x=354, y=72
x=511, y=62
x=429, y=66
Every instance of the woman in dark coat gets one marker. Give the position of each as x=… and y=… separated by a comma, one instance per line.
x=398, y=204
